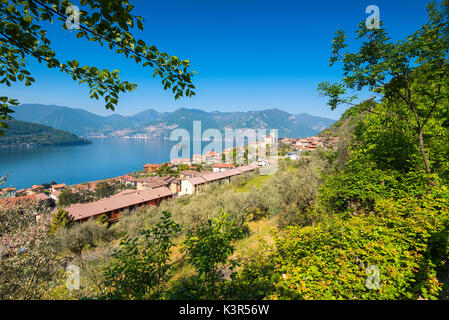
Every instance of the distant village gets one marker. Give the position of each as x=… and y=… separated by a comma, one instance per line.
x=159, y=182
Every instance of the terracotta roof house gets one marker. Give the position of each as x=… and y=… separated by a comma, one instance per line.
x=192, y=185
x=212, y=177
x=113, y=206
x=7, y=192
x=149, y=183
x=189, y=174
x=58, y=186
x=21, y=192
x=231, y=173
x=244, y=169
x=55, y=191
x=35, y=189
x=220, y=167
x=129, y=180
x=40, y=198
x=197, y=180
x=151, y=167
x=55, y=195
x=174, y=183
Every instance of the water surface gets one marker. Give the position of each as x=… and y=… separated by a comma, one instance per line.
x=104, y=158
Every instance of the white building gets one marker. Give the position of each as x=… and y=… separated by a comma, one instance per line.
x=192, y=185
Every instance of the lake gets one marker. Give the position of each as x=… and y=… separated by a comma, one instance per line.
x=104, y=158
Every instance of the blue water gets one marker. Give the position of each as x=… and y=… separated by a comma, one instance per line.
x=104, y=158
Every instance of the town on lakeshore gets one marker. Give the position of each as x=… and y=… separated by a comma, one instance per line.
x=111, y=197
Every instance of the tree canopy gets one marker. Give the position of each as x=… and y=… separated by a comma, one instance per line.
x=109, y=23
x=410, y=77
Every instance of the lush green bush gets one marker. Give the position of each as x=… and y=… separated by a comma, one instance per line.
x=208, y=248
x=141, y=267
x=83, y=235
x=405, y=240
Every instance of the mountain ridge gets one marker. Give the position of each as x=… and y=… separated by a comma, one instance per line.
x=154, y=124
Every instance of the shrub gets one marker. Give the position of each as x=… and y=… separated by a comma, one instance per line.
x=83, y=235
x=405, y=240
x=141, y=268
x=61, y=219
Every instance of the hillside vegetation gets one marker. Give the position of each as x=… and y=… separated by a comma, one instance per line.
x=366, y=220
x=27, y=134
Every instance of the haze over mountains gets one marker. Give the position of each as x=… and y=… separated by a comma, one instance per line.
x=156, y=124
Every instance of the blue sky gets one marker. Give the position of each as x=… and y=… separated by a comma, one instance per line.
x=249, y=55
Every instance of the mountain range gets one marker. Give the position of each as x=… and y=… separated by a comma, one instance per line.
x=154, y=124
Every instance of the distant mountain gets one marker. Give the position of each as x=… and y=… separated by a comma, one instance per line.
x=149, y=115
x=77, y=121
x=80, y=121
x=154, y=124
x=26, y=134
x=288, y=125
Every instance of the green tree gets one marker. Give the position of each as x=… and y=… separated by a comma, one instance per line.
x=82, y=235
x=102, y=219
x=141, y=268
x=165, y=170
x=410, y=77
x=183, y=167
x=23, y=35
x=61, y=219
x=28, y=259
x=103, y=190
x=211, y=243
x=67, y=198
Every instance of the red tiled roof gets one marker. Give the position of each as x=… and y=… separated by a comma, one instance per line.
x=223, y=165
x=7, y=189
x=124, y=199
x=152, y=165
x=213, y=176
x=153, y=182
x=196, y=180
x=171, y=179
x=8, y=202
x=190, y=173
x=58, y=186
x=31, y=197
x=56, y=193
x=127, y=177
x=231, y=172
x=245, y=168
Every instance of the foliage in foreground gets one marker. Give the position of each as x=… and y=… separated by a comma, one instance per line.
x=394, y=253
x=141, y=268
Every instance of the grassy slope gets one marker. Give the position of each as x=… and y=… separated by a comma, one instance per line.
x=260, y=230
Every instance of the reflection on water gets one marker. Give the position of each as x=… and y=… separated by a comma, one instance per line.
x=104, y=158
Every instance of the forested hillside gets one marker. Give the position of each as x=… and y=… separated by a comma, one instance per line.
x=26, y=134
x=160, y=124
x=366, y=219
